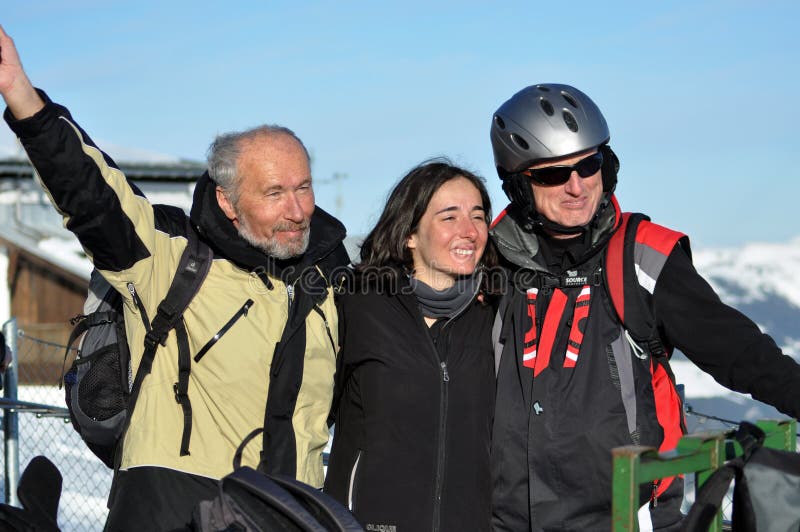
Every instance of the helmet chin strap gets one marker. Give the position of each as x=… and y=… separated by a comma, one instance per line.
x=532, y=221
x=549, y=226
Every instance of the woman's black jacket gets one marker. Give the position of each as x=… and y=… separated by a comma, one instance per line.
x=412, y=436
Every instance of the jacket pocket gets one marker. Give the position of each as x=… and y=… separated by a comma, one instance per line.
x=351, y=487
x=242, y=312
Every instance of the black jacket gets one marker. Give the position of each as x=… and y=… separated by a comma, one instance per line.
x=553, y=433
x=411, y=442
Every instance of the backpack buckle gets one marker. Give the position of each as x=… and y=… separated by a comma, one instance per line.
x=180, y=397
x=151, y=340
x=166, y=312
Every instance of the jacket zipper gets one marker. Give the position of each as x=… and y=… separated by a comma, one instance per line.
x=239, y=313
x=443, y=402
x=437, y=503
x=351, y=487
x=440, y=451
x=319, y=311
x=139, y=305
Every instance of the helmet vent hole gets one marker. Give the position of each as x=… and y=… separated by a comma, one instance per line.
x=569, y=119
x=519, y=141
x=547, y=107
x=570, y=100
x=543, y=88
x=499, y=122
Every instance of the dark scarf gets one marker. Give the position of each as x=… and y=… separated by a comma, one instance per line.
x=447, y=303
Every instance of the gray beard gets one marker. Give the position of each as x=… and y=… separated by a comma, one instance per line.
x=272, y=247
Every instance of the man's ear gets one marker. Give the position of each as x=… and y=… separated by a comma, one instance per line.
x=226, y=205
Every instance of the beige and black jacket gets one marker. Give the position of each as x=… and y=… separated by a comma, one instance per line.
x=251, y=333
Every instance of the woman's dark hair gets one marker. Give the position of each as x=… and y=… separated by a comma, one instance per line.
x=385, y=249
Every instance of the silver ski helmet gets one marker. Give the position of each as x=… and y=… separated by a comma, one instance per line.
x=543, y=122
x=547, y=121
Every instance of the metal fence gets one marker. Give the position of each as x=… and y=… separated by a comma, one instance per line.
x=701, y=454
x=35, y=422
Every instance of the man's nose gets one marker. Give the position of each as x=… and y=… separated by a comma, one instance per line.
x=575, y=184
x=294, y=209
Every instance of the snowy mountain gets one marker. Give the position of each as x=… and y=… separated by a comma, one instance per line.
x=763, y=281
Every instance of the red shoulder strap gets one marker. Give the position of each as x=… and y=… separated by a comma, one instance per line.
x=614, y=266
x=632, y=308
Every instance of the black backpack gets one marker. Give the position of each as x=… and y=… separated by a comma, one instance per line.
x=250, y=501
x=766, y=490
x=100, y=388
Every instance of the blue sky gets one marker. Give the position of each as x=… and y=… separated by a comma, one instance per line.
x=701, y=97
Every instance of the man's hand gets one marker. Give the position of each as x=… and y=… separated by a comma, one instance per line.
x=15, y=87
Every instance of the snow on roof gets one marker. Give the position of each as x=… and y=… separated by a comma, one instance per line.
x=67, y=253
x=10, y=148
x=63, y=252
x=127, y=154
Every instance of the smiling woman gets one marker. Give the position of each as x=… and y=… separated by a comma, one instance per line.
x=415, y=385
x=451, y=235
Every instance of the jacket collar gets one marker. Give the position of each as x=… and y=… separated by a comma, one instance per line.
x=523, y=249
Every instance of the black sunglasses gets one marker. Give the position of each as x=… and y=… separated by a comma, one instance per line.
x=558, y=175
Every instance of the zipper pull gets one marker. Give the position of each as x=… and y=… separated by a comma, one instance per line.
x=445, y=375
x=139, y=305
x=290, y=293
x=654, y=497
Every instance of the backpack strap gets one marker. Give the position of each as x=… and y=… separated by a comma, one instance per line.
x=708, y=499
x=329, y=512
x=181, y=388
x=82, y=323
x=237, y=456
x=623, y=286
x=710, y=495
x=635, y=254
x=258, y=490
x=193, y=266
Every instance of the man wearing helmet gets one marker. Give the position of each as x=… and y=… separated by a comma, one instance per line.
x=572, y=383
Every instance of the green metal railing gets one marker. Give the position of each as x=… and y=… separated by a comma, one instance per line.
x=700, y=453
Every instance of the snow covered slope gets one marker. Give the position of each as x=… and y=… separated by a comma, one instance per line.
x=763, y=281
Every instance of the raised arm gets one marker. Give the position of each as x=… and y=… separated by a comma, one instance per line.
x=113, y=221
x=17, y=90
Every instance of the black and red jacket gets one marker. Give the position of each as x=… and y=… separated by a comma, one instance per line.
x=571, y=385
